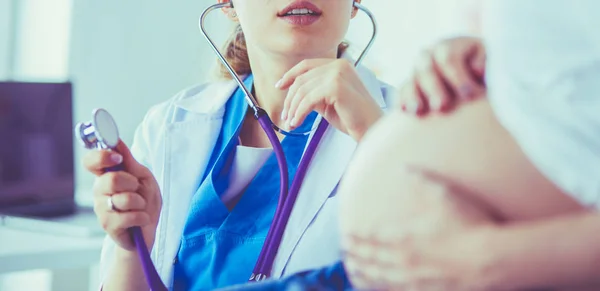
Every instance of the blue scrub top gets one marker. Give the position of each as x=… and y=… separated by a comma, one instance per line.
x=220, y=247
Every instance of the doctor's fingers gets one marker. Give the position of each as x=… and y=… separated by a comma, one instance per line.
x=299, y=88
x=115, y=182
x=116, y=223
x=300, y=69
x=120, y=202
x=97, y=161
x=310, y=97
x=308, y=82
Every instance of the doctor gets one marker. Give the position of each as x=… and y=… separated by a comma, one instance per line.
x=201, y=179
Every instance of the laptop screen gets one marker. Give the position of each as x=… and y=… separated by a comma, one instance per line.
x=36, y=144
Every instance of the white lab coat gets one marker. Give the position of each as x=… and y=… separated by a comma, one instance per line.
x=175, y=141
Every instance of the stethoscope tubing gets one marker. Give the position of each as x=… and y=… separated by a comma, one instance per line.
x=285, y=206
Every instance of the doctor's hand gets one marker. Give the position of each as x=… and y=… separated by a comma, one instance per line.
x=436, y=240
x=451, y=72
x=126, y=198
x=332, y=88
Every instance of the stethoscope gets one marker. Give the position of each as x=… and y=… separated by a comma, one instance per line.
x=102, y=133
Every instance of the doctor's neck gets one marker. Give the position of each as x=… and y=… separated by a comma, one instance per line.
x=268, y=69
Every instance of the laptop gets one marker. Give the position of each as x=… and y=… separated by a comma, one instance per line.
x=37, y=179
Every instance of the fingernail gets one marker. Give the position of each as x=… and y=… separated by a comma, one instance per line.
x=284, y=115
x=278, y=84
x=116, y=158
x=293, y=122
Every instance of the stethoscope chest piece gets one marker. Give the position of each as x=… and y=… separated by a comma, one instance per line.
x=99, y=133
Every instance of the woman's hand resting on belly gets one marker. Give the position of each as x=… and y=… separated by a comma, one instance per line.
x=428, y=237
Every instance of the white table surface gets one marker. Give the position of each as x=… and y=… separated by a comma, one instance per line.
x=24, y=250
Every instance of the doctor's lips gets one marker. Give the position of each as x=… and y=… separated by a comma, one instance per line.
x=301, y=13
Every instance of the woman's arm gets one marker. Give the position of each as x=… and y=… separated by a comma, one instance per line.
x=125, y=273
x=557, y=252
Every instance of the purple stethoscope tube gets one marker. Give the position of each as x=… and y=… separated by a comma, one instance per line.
x=102, y=133
x=286, y=201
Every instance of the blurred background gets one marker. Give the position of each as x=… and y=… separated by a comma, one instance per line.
x=125, y=56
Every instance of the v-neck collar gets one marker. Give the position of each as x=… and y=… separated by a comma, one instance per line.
x=215, y=183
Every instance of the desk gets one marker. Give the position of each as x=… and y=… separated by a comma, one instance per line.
x=67, y=257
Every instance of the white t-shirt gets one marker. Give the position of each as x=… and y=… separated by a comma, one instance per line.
x=246, y=164
x=543, y=77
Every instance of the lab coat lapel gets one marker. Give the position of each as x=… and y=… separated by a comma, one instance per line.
x=189, y=141
x=322, y=177
x=326, y=169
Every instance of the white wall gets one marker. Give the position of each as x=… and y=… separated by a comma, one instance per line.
x=408, y=26
x=42, y=40
x=129, y=55
x=34, y=39
x=5, y=37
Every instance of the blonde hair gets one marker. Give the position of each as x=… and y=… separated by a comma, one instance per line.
x=236, y=53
